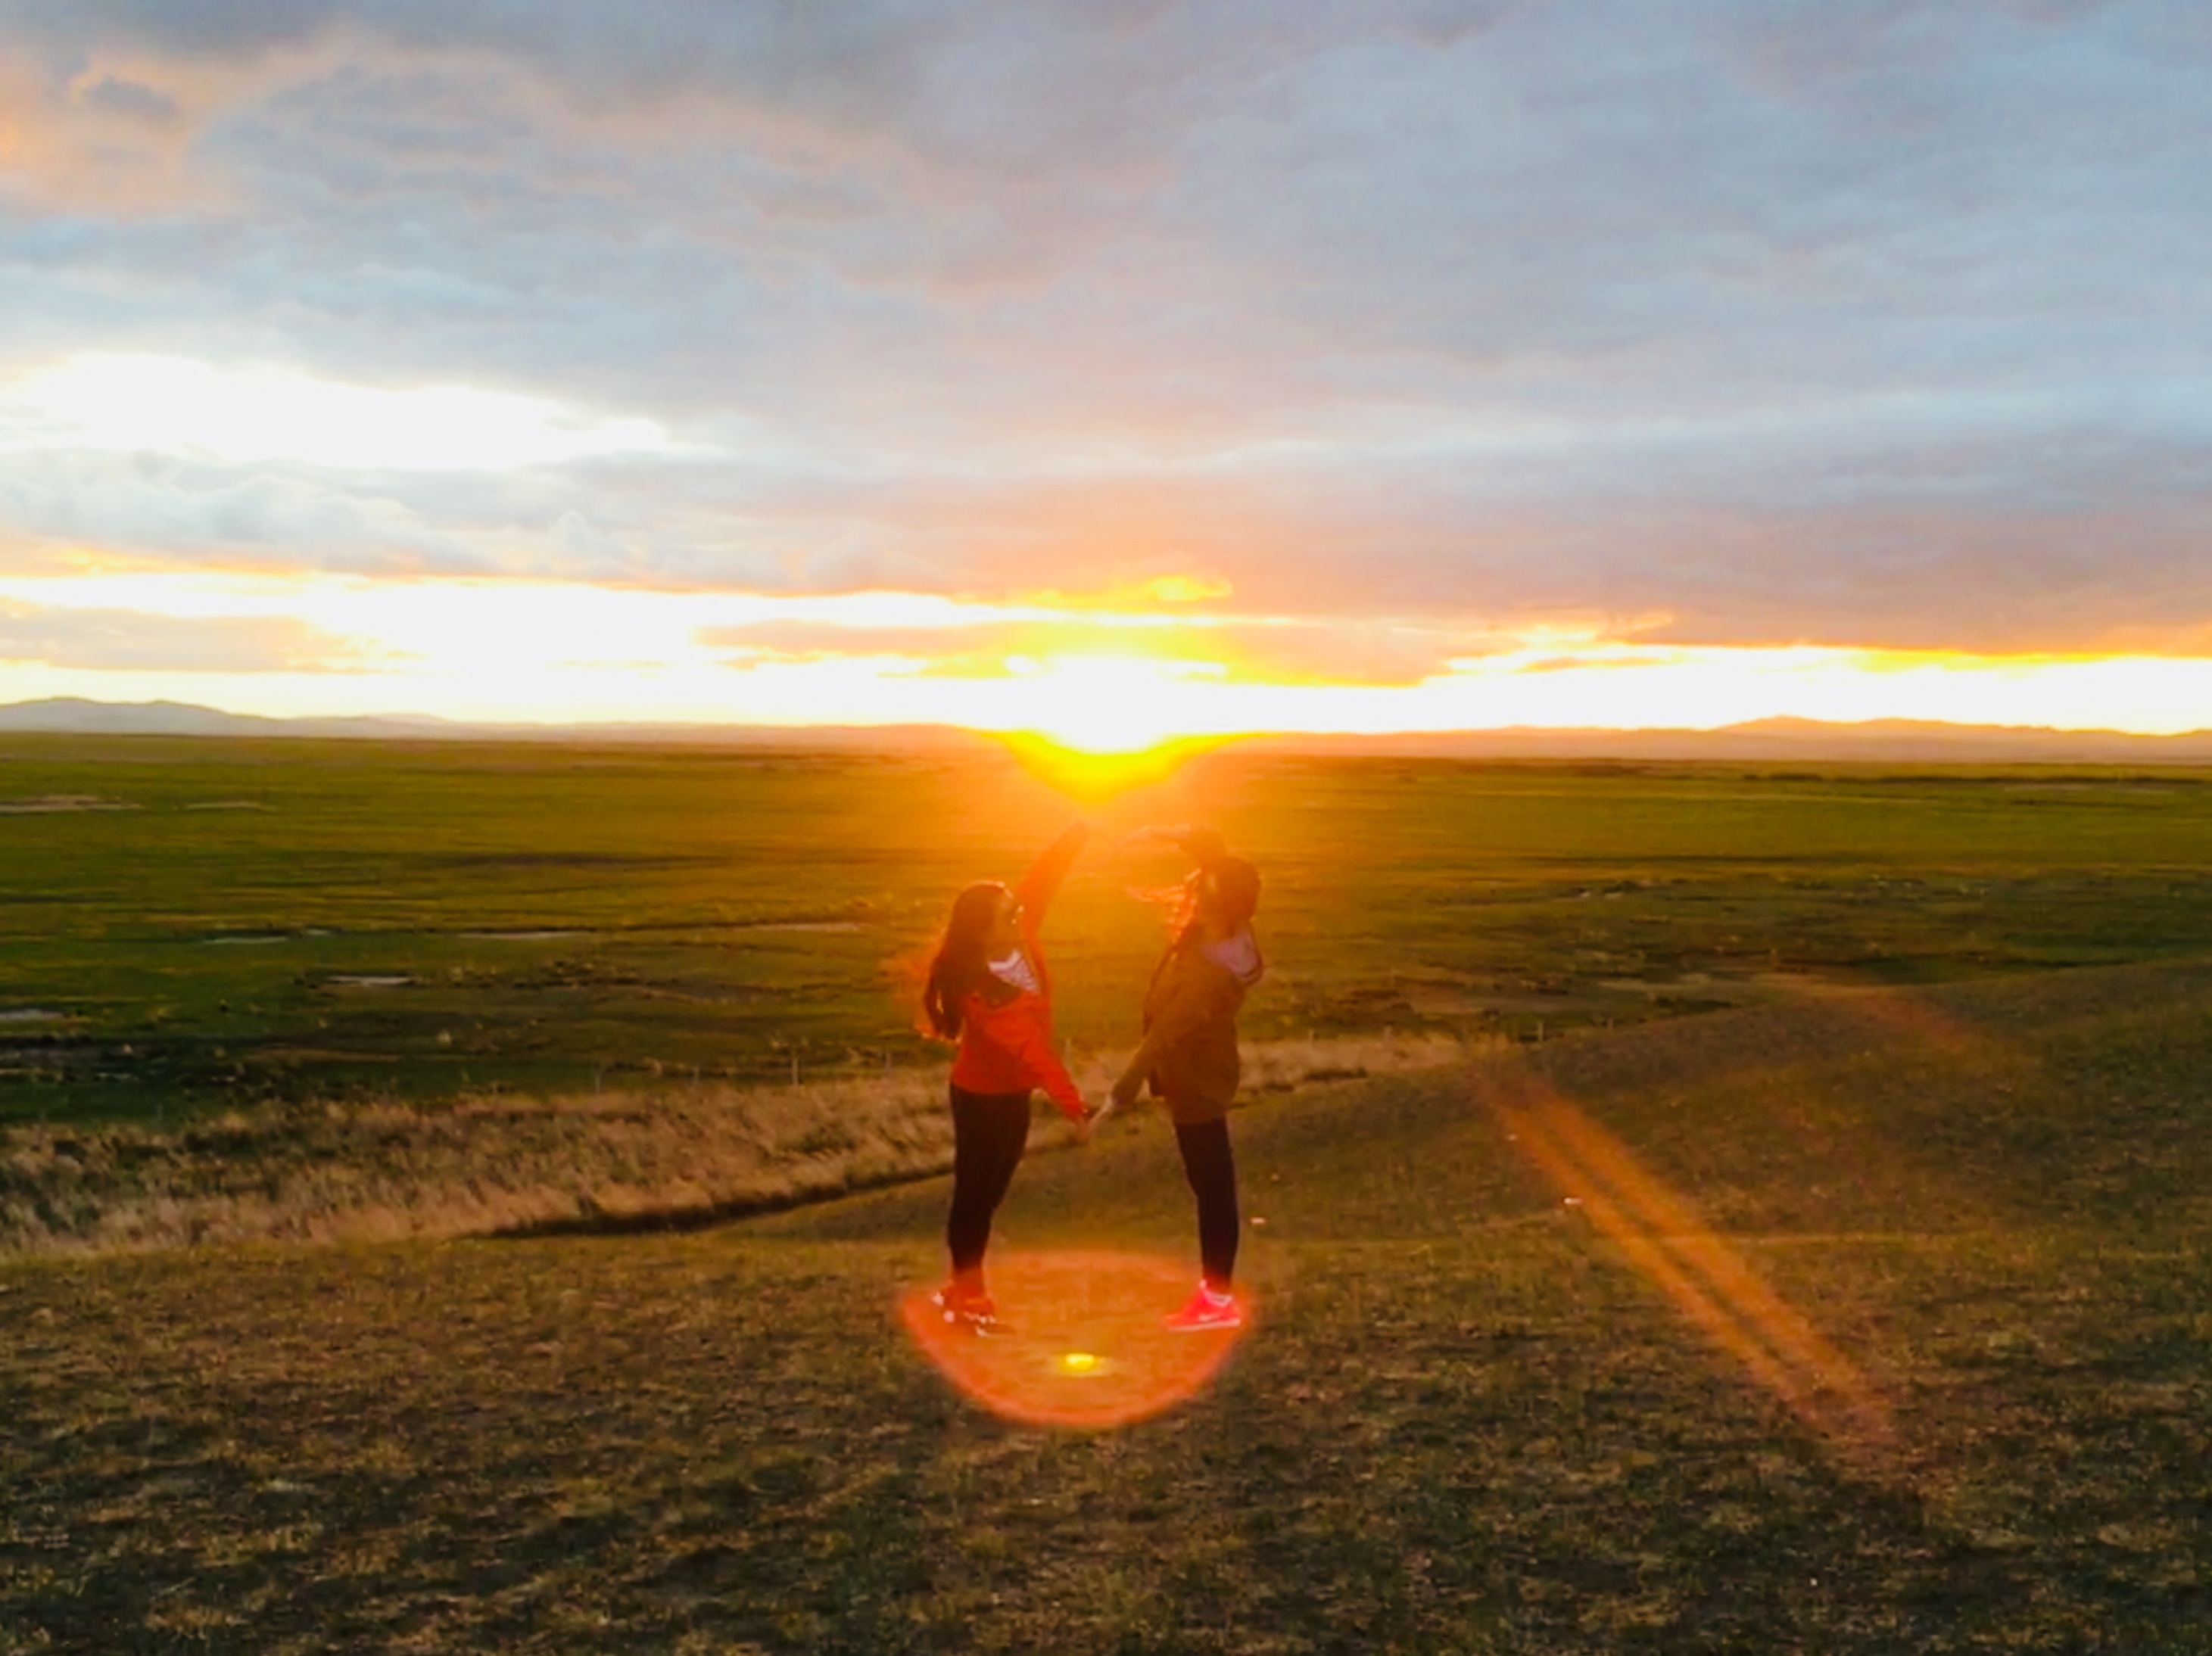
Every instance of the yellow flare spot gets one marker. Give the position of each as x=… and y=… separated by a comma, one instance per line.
x=1078, y=1362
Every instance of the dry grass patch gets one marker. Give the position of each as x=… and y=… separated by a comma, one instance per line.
x=501, y=1165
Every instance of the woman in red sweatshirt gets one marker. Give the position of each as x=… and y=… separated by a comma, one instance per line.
x=988, y=989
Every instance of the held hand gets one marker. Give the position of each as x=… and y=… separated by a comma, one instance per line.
x=1099, y=1113
x=1146, y=834
x=1203, y=845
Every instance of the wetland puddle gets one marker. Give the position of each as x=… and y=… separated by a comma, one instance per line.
x=47, y=805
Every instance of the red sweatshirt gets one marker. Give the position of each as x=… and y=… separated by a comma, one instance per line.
x=1007, y=1048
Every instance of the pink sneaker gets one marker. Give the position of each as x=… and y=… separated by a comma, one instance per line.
x=1206, y=1309
x=973, y=1313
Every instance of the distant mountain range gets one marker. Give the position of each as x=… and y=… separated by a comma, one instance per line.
x=1765, y=741
x=74, y=716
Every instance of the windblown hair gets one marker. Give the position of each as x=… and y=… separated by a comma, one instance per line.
x=1223, y=887
x=961, y=965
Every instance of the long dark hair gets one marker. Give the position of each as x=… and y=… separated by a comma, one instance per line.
x=960, y=966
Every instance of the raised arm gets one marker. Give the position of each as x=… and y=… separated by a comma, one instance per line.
x=1035, y=893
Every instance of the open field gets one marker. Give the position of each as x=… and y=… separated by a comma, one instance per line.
x=194, y=927
x=1831, y=1277
x=1948, y=1392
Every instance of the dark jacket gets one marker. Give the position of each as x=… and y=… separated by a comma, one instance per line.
x=1190, y=1050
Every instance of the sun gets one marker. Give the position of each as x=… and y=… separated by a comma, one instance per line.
x=1092, y=779
x=1095, y=727
x=1112, y=704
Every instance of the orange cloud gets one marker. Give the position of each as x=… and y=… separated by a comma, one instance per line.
x=1236, y=650
x=130, y=640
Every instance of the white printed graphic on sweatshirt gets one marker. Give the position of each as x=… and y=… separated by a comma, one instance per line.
x=1015, y=971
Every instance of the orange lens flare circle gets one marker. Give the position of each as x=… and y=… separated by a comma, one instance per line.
x=1084, y=1345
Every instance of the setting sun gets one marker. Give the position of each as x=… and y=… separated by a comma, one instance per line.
x=1110, y=704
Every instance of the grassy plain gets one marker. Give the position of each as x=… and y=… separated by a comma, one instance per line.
x=195, y=926
x=1468, y=1421
x=1884, y=1330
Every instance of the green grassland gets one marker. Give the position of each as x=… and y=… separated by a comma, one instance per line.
x=1466, y=1423
x=211, y=924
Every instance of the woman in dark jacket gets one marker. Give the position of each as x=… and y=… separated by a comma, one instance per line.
x=1188, y=1055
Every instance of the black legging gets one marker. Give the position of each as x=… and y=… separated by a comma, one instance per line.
x=1210, y=1167
x=990, y=1130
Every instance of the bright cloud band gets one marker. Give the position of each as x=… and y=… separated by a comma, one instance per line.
x=569, y=652
x=122, y=403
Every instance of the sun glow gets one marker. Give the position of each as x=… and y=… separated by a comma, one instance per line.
x=1110, y=704
x=550, y=651
x=1092, y=779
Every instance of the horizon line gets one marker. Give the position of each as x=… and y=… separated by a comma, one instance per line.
x=435, y=725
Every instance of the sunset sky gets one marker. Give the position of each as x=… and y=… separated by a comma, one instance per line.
x=1112, y=367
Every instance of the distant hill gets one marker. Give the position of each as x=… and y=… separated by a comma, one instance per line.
x=73, y=715
x=1893, y=741
x=76, y=716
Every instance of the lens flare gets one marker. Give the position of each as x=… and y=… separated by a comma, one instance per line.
x=1665, y=1238
x=1083, y=1345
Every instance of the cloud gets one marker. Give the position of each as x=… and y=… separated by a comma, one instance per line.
x=198, y=512
x=114, y=95
x=1243, y=650
x=130, y=404
x=128, y=640
x=1869, y=322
